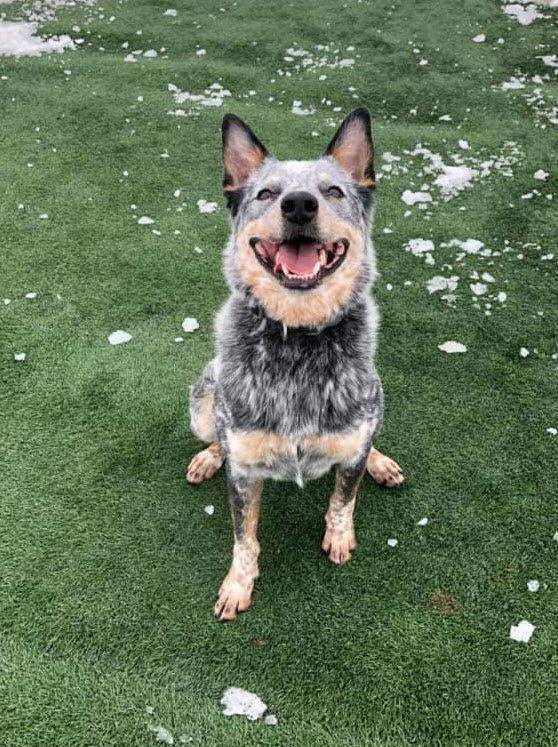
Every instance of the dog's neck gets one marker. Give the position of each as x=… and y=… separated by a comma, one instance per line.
x=257, y=309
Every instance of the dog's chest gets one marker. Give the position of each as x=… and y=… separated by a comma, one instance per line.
x=298, y=383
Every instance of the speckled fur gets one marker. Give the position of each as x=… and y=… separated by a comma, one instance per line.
x=291, y=400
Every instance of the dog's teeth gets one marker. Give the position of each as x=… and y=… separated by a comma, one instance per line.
x=323, y=257
x=317, y=267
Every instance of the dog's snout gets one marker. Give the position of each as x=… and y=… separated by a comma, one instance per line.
x=299, y=207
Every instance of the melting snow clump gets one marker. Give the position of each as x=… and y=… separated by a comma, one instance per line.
x=239, y=702
x=522, y=632
x=19, y=40
x=118, y=337
x=452, y=347
x=392, y=542
x=190, y=324
x=19, y=356
x=162, y=735
x=533, y=585
x=206, y=207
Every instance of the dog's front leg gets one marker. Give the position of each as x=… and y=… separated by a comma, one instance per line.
x=236, y=590
x=339, y=538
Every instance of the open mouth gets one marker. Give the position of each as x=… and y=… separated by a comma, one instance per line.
x=300, y=263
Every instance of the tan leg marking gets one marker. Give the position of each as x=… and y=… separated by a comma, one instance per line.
x=205, y=464
x=384, y=470
x=339, y=538
x=202, y=420
x=235, y=593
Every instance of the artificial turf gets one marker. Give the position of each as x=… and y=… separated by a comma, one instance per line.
x=109, y=564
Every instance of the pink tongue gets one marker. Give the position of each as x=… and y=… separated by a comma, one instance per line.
x=299, y=261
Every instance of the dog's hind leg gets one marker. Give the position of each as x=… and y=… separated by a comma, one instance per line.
x=383, y=470
x=235, y=594
x=205, y=464
x=339, y=538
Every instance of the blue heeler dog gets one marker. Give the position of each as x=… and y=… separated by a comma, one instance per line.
x=292, y=390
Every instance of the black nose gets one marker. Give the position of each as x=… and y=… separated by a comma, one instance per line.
x=299, y=207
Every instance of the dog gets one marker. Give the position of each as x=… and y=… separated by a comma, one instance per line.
x=292, y=390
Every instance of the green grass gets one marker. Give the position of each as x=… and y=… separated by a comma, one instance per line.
x=109, y=565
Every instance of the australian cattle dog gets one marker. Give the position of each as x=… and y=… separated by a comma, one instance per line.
x=292, y=390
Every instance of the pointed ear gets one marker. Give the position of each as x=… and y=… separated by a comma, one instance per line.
x=242, y=152
x=352, y=148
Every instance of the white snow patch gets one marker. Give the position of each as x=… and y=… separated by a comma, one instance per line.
x=454, y=178
x=502, y=295
x=440, y=283
x=410, y=198
x=549, y=59
x=464, y=145
x=209, y=510
x=19, y=356
x=118, y=337
x=297, y=109
x=422, y=522
x=522, y=632
x=18, y=39
x=533, y=585
x=479, y=289
x=206, y=207
x=525, y=14
x=190, y=324
x=145, y=220
x=479, y=38
x=452, y=347
x=512, y=84
x=541, y=175
x=523, y=352
x=392, y=542
x=171, y=12
x=552, y=431
x=270, y=720
x=420, y=246
x=162, y=735
x=239, y=702
x=31, y=295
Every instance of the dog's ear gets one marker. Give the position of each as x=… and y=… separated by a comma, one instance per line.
x=352, y=148
x=242, y=152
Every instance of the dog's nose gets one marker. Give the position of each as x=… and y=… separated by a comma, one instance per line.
x=299, y=207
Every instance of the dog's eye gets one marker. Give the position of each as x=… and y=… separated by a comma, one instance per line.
x=335, y=192
x=264, y=194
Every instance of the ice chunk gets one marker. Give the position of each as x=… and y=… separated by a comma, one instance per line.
x=209, y=510
x=189, y=324
x=162, y=735
x=19, y=356
x=452, y=347
x=522, y=632
x=239, y=702
x=118, y=337
x=206, y=207
x=422, y=522
x=523, y=352
x=540, y=175
x=533, y=585
x=410, y=198
x=392, y=542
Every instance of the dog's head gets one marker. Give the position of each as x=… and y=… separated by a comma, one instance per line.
x=300, y=228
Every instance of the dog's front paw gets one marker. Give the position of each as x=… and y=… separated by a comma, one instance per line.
x=338, y=544
x=235, y=596
x=384, y=470
x=205, y=464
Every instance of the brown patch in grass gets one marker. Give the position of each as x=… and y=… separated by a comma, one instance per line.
x=444, y=602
